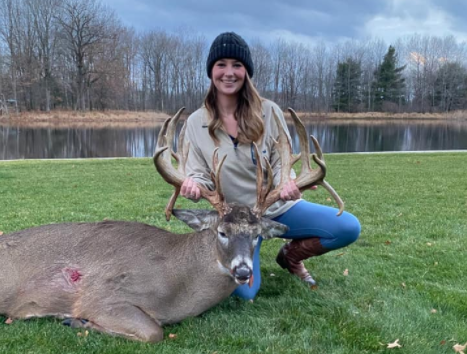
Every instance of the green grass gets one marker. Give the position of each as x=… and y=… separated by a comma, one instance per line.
x=409, y=260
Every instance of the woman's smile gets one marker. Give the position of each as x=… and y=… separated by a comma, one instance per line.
x=228, y=76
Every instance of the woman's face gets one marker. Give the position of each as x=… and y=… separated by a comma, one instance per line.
x=228, y=76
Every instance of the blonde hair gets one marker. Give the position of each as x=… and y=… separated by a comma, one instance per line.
x=248, y=113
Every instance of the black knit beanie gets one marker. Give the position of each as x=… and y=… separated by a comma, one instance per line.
x=229, y=45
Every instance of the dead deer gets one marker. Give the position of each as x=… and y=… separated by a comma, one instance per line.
x=128, y=278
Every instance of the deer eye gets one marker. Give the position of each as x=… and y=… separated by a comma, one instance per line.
x=223, y=239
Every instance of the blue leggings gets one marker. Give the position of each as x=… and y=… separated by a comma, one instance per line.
x=307, y=220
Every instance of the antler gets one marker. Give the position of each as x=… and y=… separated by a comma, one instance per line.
x=163, y=162
x=307, y=178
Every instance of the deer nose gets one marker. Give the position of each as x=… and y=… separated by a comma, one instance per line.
x=242, y=273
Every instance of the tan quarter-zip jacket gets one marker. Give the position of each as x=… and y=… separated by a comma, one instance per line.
x=238, y=174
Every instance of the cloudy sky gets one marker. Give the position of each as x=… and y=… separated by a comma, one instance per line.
x=307, y=21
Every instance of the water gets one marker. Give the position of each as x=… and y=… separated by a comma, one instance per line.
x=35, y=143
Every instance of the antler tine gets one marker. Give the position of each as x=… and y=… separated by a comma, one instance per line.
x=319, y=152
x=215, y=158
x=309, y=177
x=165, y=168
x=162, y=159
x=182, y=150
x=216, y=197
x=270, y=176
x=165, y=138
x=216, y=166
x=170, y=134
x=181, y=157
x=161, y=141
x=259, y=181
x=171, y=203
x=163, y=163
x=217, y=182
x=334, y=194
x=284, y=149
x=304, y=155
x=170, y=175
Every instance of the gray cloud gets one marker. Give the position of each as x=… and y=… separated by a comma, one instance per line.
x=328, y=20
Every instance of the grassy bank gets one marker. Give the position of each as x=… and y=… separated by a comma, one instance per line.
x=407, y=274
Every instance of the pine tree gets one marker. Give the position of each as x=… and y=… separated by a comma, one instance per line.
x=388, y=86
x=346, y=90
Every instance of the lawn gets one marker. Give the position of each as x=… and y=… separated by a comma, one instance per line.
x=406, y=275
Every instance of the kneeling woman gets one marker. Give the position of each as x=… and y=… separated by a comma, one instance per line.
x=232, y=118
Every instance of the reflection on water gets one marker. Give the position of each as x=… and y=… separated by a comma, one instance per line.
x=31, y=143
x=389, y=136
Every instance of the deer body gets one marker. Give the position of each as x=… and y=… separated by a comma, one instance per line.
x=78, y=270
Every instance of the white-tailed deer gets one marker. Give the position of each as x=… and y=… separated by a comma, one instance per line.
x=128, y=278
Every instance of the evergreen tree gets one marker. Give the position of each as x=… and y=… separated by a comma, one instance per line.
x=346, y=90
x=388, y=86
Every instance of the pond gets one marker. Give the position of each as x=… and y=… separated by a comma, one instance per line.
x=336, y=136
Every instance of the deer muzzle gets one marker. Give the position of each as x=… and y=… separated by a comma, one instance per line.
x=242, y=274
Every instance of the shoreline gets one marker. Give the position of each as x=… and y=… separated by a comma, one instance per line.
x=88, y=119
x=80, y=159
x=134, y=119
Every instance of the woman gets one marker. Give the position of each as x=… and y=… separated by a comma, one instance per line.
x=232, y=118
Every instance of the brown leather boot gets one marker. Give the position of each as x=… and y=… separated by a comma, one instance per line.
x=292, y=254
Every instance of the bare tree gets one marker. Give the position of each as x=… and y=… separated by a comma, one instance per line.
x=294, y=64
x=77, y=54
x=45, y=27
x=191, y=69
x=85, y=28
x=154, y=45
x=277, y=53
x=126, y=70
x=322, y=84
x=374, y=53
x=263, y=67
x=9, y=13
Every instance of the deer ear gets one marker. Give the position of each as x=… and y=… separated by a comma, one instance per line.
x=272, y=228
x=197, y=219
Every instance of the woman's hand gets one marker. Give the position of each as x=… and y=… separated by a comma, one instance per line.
x=291, y=191
x=190, y=190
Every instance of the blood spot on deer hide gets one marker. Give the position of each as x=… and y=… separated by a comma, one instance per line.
x=73, y=275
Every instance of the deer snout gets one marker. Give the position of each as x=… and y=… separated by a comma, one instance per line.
x=242, y=273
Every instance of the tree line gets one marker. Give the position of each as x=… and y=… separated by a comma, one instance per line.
x=77, y=54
